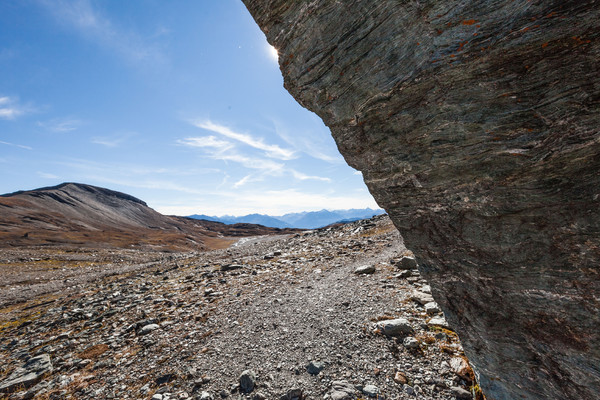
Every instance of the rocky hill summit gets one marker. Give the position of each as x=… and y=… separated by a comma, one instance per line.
x=337, y=313
x=90, y=216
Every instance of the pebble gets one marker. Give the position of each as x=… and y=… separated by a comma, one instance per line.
x=432, y=308
x=410, y=343
x=400, y=378
x=247, y=381
x=315, y=367
x=148, y=328
x=371, y=390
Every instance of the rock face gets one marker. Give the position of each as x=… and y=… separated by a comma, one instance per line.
x=475, y=124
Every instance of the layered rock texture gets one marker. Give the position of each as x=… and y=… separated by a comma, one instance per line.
x=476, y=126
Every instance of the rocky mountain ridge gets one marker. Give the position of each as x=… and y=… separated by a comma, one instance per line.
x=299, y=220
x=84, y=215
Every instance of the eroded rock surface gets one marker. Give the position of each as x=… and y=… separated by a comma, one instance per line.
x=475, y=124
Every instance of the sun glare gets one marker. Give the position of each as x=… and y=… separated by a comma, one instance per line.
x=273, y=53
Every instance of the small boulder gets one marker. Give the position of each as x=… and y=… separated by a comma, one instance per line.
x=460, y=393
x=438, y=321
x=406, y=263
x=421, y=297
x=364, y=270
x=395, y=327
x=28, y=375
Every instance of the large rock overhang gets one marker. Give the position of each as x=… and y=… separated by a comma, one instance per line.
x=476, y=126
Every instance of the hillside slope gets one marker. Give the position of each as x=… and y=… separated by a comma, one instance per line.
x=85, y=215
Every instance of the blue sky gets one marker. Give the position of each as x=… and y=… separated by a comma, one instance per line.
x=179, y=103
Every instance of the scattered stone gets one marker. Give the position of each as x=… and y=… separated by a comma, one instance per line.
x=230, y=267
x=293, y=394
x=403, y=274
x=247, y=381
x=410, y=343
x=371, y=390
x=422, y=297
x=395, y=327
x=157, y=396
x=432, y=308
x=342, y=390
x=148, y=328
x=28, y=375
x=461, y=367
x=438, y=321
x=365, y=269
x=263, y=323
x=315, y=367
x=400, y=378
x=407, y=263
x=460, y=393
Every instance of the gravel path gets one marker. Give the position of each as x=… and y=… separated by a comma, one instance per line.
x=289, y=314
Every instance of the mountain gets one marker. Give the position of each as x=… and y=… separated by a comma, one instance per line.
x=85, y=215
x=300, y=220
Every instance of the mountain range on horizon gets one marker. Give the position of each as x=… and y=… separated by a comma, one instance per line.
x=299, y=220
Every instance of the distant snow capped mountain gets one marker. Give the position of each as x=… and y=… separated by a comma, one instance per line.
x=302, y=220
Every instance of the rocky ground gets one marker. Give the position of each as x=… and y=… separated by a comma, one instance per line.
x=338, y=313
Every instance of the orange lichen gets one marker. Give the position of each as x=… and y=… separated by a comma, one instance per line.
x=469, y=22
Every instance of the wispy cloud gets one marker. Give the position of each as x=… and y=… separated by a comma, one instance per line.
x=60, y=125
x=207, y=141
x=271, y=150
x=11, y=109
x=304, y=177
x=242, y=181
x=271, y=164
x=89, y=22
x=225, y=151
x=16, y=145
x=114, y=140
x=316, y=142
x=46, y=175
